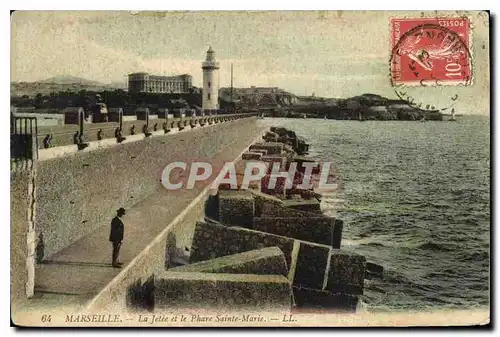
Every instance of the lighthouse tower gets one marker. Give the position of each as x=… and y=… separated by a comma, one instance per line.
x=210, y=82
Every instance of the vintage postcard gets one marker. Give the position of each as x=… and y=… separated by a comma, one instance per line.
x=250, y=169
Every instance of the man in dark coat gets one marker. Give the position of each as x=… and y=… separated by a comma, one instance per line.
x=116, y=236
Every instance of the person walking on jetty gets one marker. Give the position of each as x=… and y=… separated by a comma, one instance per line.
x=116, y=236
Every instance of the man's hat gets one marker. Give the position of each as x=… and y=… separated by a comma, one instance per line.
x=121, y=210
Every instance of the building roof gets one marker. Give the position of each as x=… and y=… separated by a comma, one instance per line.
x=155, y=76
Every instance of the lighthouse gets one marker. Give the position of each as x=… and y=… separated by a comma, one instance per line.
x=210, y=82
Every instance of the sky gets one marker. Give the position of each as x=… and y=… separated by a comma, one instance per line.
x=328, y=53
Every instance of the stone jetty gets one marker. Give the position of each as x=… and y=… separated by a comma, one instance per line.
x=271, y=241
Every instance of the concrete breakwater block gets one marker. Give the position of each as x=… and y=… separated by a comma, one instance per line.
x=281, y=131
x=273, y=148
x=212, y=206
x=311, y=265
x=303, y=162
x=279, y=188
x=299, y=178
x=323, y=230
x=264, y=200
x=242, y=165
x=314, y=298
x=236, y=208
x=271, y=160
x=263, y=151
x=308, y=205
x=253, y=184
x=271, y=206
x=301, y=146
x=307, y=261
x=288, y=151
x=373, y=270
x=191, y=290
x=265, y=261
x=268, y=211
x=303, y=194
x=251, y=156
x=212, y=240
x=271, y=136
x=346, y=273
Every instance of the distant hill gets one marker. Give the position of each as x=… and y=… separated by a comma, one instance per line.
x=118, y=85
x=65, y=79
x=60, y=83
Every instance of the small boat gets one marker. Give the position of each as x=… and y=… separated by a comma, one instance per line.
x=423, y=119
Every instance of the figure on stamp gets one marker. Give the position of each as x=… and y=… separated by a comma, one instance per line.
x=431, y=51
x=116, y=236
x=443, y=47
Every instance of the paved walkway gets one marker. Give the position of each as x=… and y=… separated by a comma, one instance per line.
x=78, y=272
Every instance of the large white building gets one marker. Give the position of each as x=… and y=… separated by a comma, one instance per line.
x=210, y=82
x=144, y=82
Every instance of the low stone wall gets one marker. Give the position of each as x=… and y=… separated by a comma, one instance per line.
x=62, y=135
x=225, y=292
x=265, y=261
x=138, y=127
x=108, y=131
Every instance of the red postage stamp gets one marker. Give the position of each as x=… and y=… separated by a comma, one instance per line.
x=430, y=51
